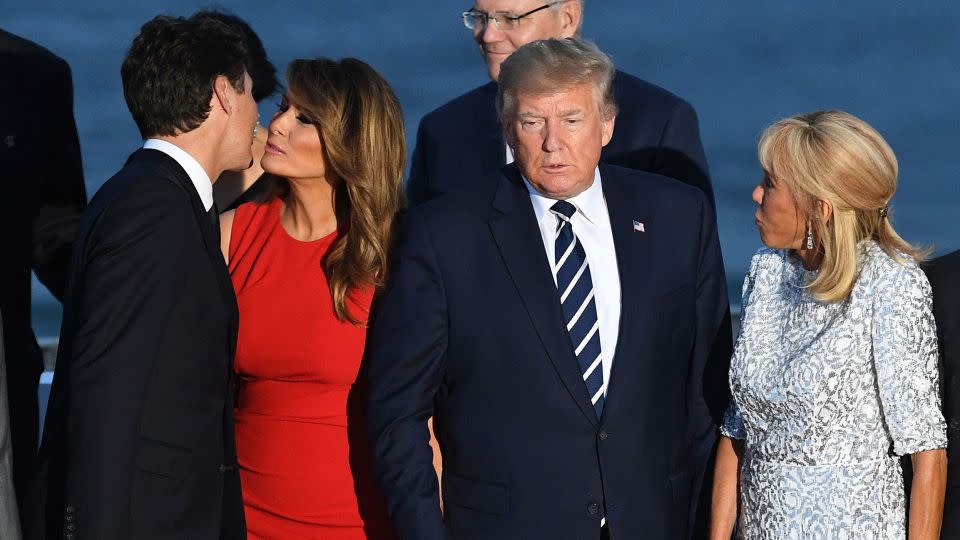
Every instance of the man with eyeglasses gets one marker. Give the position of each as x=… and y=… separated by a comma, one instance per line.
x=461, y=143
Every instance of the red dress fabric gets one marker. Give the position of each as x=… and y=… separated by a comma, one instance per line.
x=305, y=465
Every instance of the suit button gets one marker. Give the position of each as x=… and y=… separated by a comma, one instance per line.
x=593, y=508
x=603, y=434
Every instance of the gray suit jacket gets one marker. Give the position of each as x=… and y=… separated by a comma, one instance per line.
x=9, y=521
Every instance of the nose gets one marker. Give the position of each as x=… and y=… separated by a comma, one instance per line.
x=279, y=122
x=489, y=32
x=758, y=194
x=551, y=138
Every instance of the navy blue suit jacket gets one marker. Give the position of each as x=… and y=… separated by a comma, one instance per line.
x=461, y=143
x=470, y=331
x=944, y=275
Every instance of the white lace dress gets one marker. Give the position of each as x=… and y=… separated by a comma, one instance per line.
x=827, y=395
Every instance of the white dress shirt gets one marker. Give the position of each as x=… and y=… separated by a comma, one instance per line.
x=194, y=170
x=591, y=225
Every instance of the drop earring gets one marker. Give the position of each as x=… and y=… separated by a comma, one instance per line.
x=809, y=235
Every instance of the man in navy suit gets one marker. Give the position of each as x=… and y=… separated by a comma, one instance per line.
x=566, y=324
x=461, y=143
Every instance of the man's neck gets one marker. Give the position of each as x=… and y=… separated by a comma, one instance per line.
x=197, y=143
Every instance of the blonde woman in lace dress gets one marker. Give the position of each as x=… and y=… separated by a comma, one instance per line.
x=835, y=372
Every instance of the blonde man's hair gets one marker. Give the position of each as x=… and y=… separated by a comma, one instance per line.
x=835, y=157
x=550, y=65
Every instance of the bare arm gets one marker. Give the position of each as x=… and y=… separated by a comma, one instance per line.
x=226, y=225
x=726, y=481
x=926, y=494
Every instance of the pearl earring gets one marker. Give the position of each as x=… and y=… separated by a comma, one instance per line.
x=809, y=235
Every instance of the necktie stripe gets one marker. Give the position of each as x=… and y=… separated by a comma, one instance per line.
x=567, y=253
x=583, y=307
x=596, y=397
x=573, y=282
x=593, y=366
x=586, y=340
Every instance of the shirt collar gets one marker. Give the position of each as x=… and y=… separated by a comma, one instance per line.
x=193, y=168
x=589, y=203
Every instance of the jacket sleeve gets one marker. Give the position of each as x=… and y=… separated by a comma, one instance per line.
x=407, y=353
x=681, y=154
x=63, y=193
x=708, y=388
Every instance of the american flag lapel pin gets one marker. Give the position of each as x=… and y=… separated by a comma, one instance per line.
x=638, y=226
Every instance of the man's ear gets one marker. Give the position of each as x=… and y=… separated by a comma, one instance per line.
x=609, y=120
x=222, y=97
x=571, y=13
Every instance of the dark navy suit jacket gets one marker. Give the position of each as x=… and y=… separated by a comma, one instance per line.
x=461, y=143
x=470, y=331
x=138, y=440
x=944, y=275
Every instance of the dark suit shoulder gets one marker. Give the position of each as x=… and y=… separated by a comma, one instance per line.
x=37, y=58
x=650, y=94
x=140, y=194
x=944, y=273
x=650, y=185
x=466, y=105
x=467, y=205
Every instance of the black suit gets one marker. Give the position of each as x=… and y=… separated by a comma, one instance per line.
x=139, y=438
x=944, y=275
x=41, y=199
x=461, y=143
x=470, y=330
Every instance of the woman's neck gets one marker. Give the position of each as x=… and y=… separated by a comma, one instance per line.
x=811, y=259
x=308, y=212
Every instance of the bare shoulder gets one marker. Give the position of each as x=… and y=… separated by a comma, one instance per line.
x=226, y=226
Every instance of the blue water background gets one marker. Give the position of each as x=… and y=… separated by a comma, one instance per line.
x=742, y=65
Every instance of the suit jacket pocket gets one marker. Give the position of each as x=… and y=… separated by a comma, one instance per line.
x=163, y=459
x=489, y=497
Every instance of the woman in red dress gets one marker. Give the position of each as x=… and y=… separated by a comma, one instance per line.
x=305, y=263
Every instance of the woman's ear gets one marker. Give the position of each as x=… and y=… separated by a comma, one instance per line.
x=826, y=210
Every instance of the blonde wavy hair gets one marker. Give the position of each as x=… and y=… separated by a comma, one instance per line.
x=835, y=157
x=360, y=123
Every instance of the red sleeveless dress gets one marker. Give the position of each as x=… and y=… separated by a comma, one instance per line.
x=305, y=465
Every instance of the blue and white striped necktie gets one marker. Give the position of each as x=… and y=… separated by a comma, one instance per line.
x=579, y=306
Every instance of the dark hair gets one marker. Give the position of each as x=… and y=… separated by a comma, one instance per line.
x=263, y=73
x=169, y=71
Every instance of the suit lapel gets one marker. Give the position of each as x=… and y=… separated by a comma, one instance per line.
x=211, y=244
x=514, y=228
x=635, y=264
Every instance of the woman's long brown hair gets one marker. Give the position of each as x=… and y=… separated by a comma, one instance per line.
x=360, y=123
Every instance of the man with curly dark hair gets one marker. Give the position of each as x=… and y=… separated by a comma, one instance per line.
x=138, y=441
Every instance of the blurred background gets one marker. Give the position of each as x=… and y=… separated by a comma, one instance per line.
x=742, y=66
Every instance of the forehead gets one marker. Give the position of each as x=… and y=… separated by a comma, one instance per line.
x=506, y=6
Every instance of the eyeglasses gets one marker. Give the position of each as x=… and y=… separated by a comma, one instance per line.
x=474, y=19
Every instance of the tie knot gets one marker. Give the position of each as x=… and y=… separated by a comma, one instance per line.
x=563, y=208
